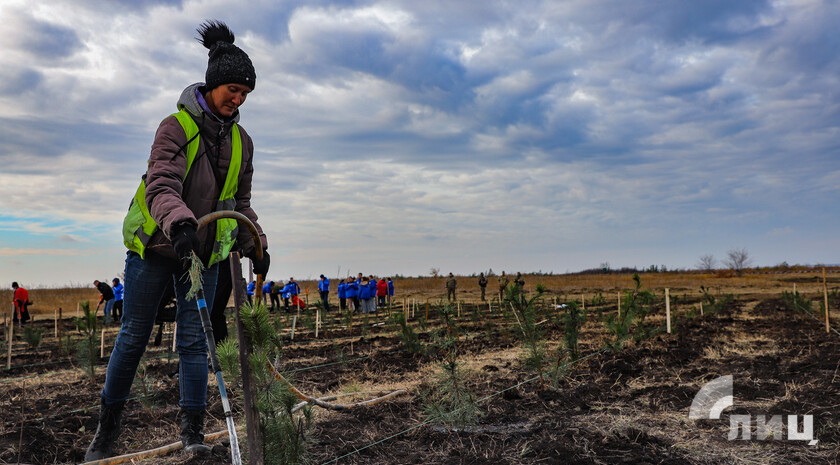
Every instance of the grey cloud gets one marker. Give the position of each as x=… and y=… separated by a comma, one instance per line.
x=49, y=41
x=326, y=51
x=49, y=139
x=804, y=42
x=708, y=21
x=17, y=81
x=111, y=9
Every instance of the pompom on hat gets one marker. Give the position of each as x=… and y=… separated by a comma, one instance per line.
x=227, y=64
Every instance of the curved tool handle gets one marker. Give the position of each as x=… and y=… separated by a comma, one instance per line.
x=242, y=219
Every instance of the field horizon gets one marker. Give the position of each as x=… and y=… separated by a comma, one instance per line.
x=48, y=300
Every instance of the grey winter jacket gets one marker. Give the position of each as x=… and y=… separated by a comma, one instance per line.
x=172, y=201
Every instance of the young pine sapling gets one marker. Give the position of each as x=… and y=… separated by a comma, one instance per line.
x=88, y=345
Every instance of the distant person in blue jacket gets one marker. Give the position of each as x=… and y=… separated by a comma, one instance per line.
x=324, y=290
x=119, y=289
x=342, y=296
x=266, y=290
x=372, y=286
x=286, y=294
x=295, y=288
x=251, y=287
x=351, y=289
x=365, y=295
x=390, y=290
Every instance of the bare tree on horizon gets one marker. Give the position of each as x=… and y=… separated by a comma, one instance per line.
x=738, y=259
x=706, y=262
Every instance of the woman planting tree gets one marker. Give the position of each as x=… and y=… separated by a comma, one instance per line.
x=201, y=162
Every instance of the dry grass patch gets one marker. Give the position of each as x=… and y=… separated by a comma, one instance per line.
x=740, y=345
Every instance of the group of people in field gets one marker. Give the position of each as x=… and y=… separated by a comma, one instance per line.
x=275, y=290
x=112, y=297
x=363, y=294
x=503, y=281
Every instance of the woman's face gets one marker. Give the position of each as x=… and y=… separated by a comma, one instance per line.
x=226, y=99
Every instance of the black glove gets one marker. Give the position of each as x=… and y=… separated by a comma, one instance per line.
x=261, y=266
x=185, y=241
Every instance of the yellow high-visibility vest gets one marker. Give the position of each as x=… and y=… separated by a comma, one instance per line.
x=139, y=226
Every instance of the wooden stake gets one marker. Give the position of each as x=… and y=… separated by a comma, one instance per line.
x=459, y=309
x=517, y=318
x=79, y=304
x=11, y=337
x=701, y=308
x=427, y=309
x=317, y=322
x=102, y=344
x=667, y=311
x=794, y=288
x=583, y=301
x=55, y=320
x=618, y=294
x=825, y=293
x=250, y=270
x=174, y=335
x=255, y=439
x=294, y=323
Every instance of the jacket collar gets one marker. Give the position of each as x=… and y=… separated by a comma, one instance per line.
x=192, y=100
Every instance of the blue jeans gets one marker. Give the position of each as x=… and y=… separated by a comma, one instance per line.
x=109, y=304
x=145, y=281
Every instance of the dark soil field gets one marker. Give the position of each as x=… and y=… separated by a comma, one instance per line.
x=629, y=406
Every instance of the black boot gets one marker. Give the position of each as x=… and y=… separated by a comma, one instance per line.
x=107, y=432
x=192, y=434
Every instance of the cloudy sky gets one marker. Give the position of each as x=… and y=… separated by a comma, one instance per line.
x=399, y=136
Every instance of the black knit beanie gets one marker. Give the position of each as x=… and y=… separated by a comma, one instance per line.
x=228, y=64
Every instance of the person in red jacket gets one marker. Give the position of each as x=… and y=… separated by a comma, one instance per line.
x=381, y=291
x=21, y=301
